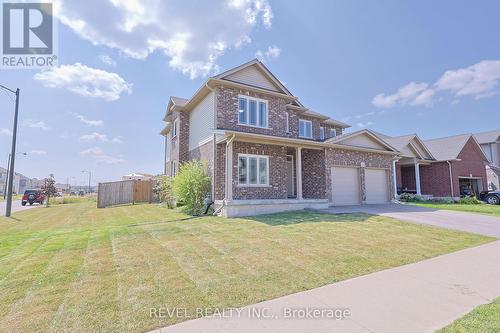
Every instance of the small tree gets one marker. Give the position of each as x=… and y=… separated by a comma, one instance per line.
x=191, y=185
x=48, y=189
x=163, y=190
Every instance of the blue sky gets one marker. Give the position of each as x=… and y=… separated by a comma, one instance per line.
x=398, y=67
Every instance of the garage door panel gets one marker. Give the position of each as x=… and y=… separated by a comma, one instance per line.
x=377, y=186
x=345, y=186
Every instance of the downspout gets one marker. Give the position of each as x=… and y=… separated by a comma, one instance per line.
x=451, y=178
x=224, y=201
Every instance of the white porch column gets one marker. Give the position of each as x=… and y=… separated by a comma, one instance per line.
x=394, y=180
x=417, y=177
x=229, y=170
x=298, y=167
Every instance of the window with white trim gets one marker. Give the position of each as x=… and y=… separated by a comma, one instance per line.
x=174, y=128
x=287, y=122
x=333, y=132
x=305, y=129
x=175, y=168
x=322, y=133
x=253, y=170
x=252, y=111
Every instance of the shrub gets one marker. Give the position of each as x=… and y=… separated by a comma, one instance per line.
x=409, y=197
x=469, y=201
x=191, y=186
x=163, y=190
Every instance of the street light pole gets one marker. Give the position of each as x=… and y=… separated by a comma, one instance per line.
x=12, y=154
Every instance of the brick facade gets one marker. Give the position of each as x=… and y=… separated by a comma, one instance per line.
x=277, y=188
x=313, y=174
x=408, y=179
x=227, y=115
x=435, y=178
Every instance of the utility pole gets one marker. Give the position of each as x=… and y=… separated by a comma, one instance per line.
x=12, y=155
x=90, y=176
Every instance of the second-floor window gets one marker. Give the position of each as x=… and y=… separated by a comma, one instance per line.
x=252, y=111
x=287, y=122
x=305, y=129
x=174, y=128
x=333, y=132
x=322, y=133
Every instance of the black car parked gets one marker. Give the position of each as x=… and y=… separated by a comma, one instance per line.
x=491, y=197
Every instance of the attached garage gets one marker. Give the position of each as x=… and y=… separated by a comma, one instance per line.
x=345, y=186
x=377, y=186
x=359, y=168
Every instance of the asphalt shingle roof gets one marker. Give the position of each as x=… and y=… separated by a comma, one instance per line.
x=487, y=137
x=446, y=149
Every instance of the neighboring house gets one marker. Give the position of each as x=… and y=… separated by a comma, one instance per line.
x=137, y=176
x=19, y=185
x=490, y=143
x=3, y=179
x=267, y=152
x=414, y=155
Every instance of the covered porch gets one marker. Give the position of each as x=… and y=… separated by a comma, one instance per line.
x=408, y=175
x=267, y=174
x=414, y=155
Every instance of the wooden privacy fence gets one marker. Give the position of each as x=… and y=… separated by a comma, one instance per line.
x=124, y=192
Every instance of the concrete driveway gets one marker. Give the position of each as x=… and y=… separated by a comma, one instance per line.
x=469, y=222
x=16, y=206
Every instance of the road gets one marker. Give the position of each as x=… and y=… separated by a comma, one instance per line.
x=16, y=206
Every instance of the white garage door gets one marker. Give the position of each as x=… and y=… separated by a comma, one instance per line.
x=377, y=186
x=345, y=186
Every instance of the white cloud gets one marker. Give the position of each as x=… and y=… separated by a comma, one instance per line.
x=37, y=152
x=478, y=80
x=272, y=52
x=87, y=121
x=100, y=157
x=5, y=131
x=85, y=81
x=98, y=137
x=193, y=36
x=364, y=125
x=412, y=93
x=37, y=124
x=106, y=59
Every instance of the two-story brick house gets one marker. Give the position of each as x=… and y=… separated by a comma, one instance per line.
x=267, y=152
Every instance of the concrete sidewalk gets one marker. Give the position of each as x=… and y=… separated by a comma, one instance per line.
x=420, y=297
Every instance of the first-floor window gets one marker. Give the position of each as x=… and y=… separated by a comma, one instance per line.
x=253, y=170
x=175, y=167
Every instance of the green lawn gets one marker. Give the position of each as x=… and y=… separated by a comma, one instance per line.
x=482, y=209
x=78, y=268
x=483, y=319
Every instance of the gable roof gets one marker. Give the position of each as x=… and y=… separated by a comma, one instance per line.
x=350, y=140
x=448, y=148
x=488, y=137
x=227, y=75
x=413, y=142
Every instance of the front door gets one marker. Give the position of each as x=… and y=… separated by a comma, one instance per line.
x=290, y=176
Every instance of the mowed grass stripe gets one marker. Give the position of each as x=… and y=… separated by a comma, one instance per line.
x=146, y=256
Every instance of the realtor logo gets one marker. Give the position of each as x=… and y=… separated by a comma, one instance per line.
x=28, y=35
